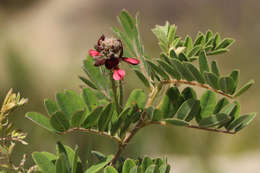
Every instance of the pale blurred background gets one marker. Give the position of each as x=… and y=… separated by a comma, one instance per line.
x=43, y=43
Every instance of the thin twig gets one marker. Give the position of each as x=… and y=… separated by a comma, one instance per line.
x=163, y=123
x=93, y=131
x=174, y=81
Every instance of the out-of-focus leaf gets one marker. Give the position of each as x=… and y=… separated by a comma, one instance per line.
x=40, y=119
x=110, y=169
x=45, y=165
x=244, y=88
x=122, y=116
x=145, y=164
x=128, y=165
x=157, y=115
x=61, y=164
x=59, y=122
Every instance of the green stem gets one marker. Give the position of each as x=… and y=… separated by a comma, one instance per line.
x=121, y=98
x=114, y=89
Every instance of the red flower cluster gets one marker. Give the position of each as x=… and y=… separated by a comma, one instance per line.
x=109, y=52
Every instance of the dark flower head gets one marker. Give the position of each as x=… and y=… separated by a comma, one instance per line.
x=109, y=52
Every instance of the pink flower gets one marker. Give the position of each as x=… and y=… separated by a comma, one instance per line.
x=109, y=52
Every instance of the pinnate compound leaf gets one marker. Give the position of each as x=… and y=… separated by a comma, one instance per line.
x=138, y=97
x=51, y=106
x=40, y=119
x=244, y=88
x=92, y=118
x=207, y=103
x=97, y=167
x=43, y=162
x=214, y=120
x=59, y=122
x=142, y=78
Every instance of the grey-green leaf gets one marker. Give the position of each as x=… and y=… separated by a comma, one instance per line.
x=244, y=88
x=138, y=97
x=237, y=122
x=92, y=118
x=51, y=106
x=128, y=165
x=207, y=103
x=40, y=119
x=59, y=122
x=194, y=72
x=203, y=63
x=214, y=68
x=214, y=120
x=45, y=165
x=212, y=80
x=188, y=109
x=142, y=78
x=97, y=167
x=176, y=122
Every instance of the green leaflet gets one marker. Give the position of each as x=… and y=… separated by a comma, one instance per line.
x=214, y=68
x=40, y=119
x=221, y=104
x=69, y=102
x=244, y=88
x=212, y=80
x=89, y=98
x=217, y=52
x=128, y=165
x=182, y=70
x=194, y=72
x=214, y=120
x=242, y=120
x=88, y=82
x=105, y=117
x=138, y=97
x=225, y=43
x=59, y=122
x=194, y=51
x=142, y=78
x=209, y=36
x=145, y=164
x=121, y=118
x=246, y=122
x=226, y=84
x=92, y=118
x=176, y=122
x=61, y=164
x=110, y=169
x=188, y=93
x=203, y=63
x=188, y=110
x=235, y=76
x=207, y=103
x=78, y=118
x=158, y=69
x=51, y=106
x=200, y=40
x=188, y=44
x=45, y=165
x=170, y=70
x=97, y=167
